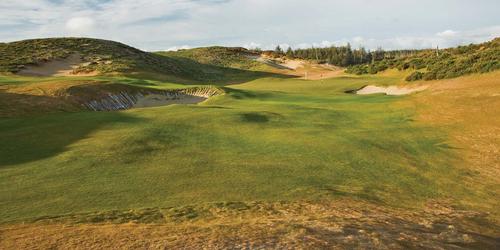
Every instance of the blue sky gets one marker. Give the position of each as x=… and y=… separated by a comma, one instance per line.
x=171, y=24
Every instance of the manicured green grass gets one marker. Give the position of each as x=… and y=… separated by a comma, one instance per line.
x=270, y=139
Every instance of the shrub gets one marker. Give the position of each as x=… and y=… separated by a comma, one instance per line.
x=429, y=76
x=448, y=63
x=415, y=76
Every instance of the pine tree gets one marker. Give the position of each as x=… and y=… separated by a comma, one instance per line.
x=289, y=52
x=348, y=58
x=278, y=50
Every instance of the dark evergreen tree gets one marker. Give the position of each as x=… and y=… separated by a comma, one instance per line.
x=278, y=50
x=345, y=55
x=289, y=52
x=347, y=59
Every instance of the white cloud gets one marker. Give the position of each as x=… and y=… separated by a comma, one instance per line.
x=443, y=39
x=447, y=33
x=252, y=45
x=284, y=46
x=80, y=25
x=176, y=48
x=159, y=24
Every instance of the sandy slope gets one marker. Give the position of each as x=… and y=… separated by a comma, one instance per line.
x=61, y=67
x=300, y=68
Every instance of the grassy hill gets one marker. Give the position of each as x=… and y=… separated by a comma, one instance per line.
x=106, y=57
x=439, y=64
x=230, y=57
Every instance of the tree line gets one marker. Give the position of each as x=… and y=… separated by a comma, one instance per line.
x=425, y=64
x=342, y=55
x=432, y=64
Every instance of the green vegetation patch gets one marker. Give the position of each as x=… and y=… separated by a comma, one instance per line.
x=438, y=64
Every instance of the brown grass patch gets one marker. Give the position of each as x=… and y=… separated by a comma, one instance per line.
x=342, y=223
x=468, y=109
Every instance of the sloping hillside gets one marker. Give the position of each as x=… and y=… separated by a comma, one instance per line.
x=439, y=64
x=99, y=55
x=231, y=57
x=84, y=56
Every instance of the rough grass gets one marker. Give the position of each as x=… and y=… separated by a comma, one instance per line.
x=343, y=224
x=467, y=109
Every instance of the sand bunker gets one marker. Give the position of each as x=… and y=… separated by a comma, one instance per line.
x=154, y=100
x=292, y=64
x=273, y=63
x=60, y=67
x=278, y=63
x=150, y=98
x=390, y=90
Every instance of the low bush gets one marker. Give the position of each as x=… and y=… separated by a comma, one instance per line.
x=415, y=76
x=447, y=63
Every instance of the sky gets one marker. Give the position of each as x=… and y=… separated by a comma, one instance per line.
x=155, y=25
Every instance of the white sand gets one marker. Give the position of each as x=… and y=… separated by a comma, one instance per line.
x=292, y=64
x=390, y=90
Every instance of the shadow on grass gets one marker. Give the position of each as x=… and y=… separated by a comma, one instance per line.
x=34, y=138
x=254, y=117
x=136, y=81
x=249, y=94
x=16, y=104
